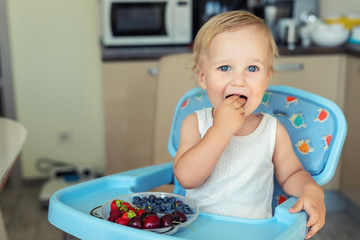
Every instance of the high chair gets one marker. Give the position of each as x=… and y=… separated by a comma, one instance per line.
x=317, y=128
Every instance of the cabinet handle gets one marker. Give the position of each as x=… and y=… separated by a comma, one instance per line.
x=288, y=67
x=153, y=71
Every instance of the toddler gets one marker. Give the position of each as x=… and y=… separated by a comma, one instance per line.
x=227, y=155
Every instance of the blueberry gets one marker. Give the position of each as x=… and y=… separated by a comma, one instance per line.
x=188, y=210
x=152, y=206
x=172, y=206
x=179, y=203
x=159, y=200
x=180, y=209
x=151, y=198
x=163, y=207
x=136, y=200
x=144, y=199
x=172, y=200
x=144, y=205
x=166, y=199
x=158, y=209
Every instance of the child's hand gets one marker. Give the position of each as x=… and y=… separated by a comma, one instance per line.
x=230, y=115
x=313, y=203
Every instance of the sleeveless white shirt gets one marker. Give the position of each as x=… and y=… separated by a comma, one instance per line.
x=242, y=183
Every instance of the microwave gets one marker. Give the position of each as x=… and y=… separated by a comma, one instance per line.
x=146, y=22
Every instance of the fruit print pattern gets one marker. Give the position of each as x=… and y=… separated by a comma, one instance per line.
x=199, y=97
x=304, y=146
x=290, y=100
x=280, y=199
x=327, y=140
x=185, y=103
x=266, y=98
x=297, y=120
x=322, y=116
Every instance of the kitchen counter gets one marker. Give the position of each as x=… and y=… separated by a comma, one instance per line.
x=156, y=52
x=12, y=138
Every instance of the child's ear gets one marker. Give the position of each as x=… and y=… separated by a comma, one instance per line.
x=201, y=79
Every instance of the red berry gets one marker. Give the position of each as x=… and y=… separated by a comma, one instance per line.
x=114, y=214
x=179, y=216
x=135, y=222
x=167, y=220
x=122, y=221
x=151, y=221
x=140, y=211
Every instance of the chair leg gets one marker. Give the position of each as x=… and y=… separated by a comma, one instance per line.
x=68, y=237
x=3, y=234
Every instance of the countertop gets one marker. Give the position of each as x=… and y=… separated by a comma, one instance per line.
x=156, y=52
x=12, y=138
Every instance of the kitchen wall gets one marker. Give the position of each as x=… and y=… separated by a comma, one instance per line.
x=335, y=7
x=56, y=63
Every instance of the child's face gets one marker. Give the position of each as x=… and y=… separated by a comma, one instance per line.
x=237, y=63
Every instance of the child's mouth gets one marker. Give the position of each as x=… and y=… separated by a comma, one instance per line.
x=241, y=96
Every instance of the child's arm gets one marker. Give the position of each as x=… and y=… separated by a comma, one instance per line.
x=296, y=181
x=196, y=158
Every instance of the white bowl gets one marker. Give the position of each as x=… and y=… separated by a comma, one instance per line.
x=104, y=210
x=329, y=35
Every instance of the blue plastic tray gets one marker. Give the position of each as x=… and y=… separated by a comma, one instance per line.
x=70, y=208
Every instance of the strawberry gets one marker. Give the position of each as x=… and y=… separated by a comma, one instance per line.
x=115, y=204
x=140, y=211
x=127, y=204
x=125, y=218
x=114, y=214
x=124, y=208
x=133, y=209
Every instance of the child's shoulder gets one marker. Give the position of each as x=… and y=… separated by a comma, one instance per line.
x=190, y=119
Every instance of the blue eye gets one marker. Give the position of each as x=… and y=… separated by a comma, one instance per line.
x=224, y=68
x=252, y=69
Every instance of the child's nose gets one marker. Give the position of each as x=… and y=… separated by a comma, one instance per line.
x=238, y=80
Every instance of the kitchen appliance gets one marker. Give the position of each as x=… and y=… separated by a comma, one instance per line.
x=203, y=10
x=64, y=176
x=298, y=10
x=146, y=22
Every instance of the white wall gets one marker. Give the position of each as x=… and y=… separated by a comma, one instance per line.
x=57, y=80
x=342, y=7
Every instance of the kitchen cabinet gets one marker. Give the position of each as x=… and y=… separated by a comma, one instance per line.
x=129, y=95
x=350, y=178
x=320, y=74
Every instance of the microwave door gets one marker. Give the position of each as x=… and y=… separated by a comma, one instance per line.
x=140, y=21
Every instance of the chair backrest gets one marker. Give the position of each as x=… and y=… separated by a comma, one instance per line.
x=317, y=128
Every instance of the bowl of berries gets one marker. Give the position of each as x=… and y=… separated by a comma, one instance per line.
x=159, y=212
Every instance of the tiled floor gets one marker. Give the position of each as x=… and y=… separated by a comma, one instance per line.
x=25, y=219
x=23, y=216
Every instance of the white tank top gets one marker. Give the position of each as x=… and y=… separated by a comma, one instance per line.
x=241, y=184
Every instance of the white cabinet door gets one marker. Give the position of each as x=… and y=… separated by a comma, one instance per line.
x=129, y=95
x=350, y=177
x=320, y=74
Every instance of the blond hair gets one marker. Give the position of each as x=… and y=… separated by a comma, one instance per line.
x=224, y=22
